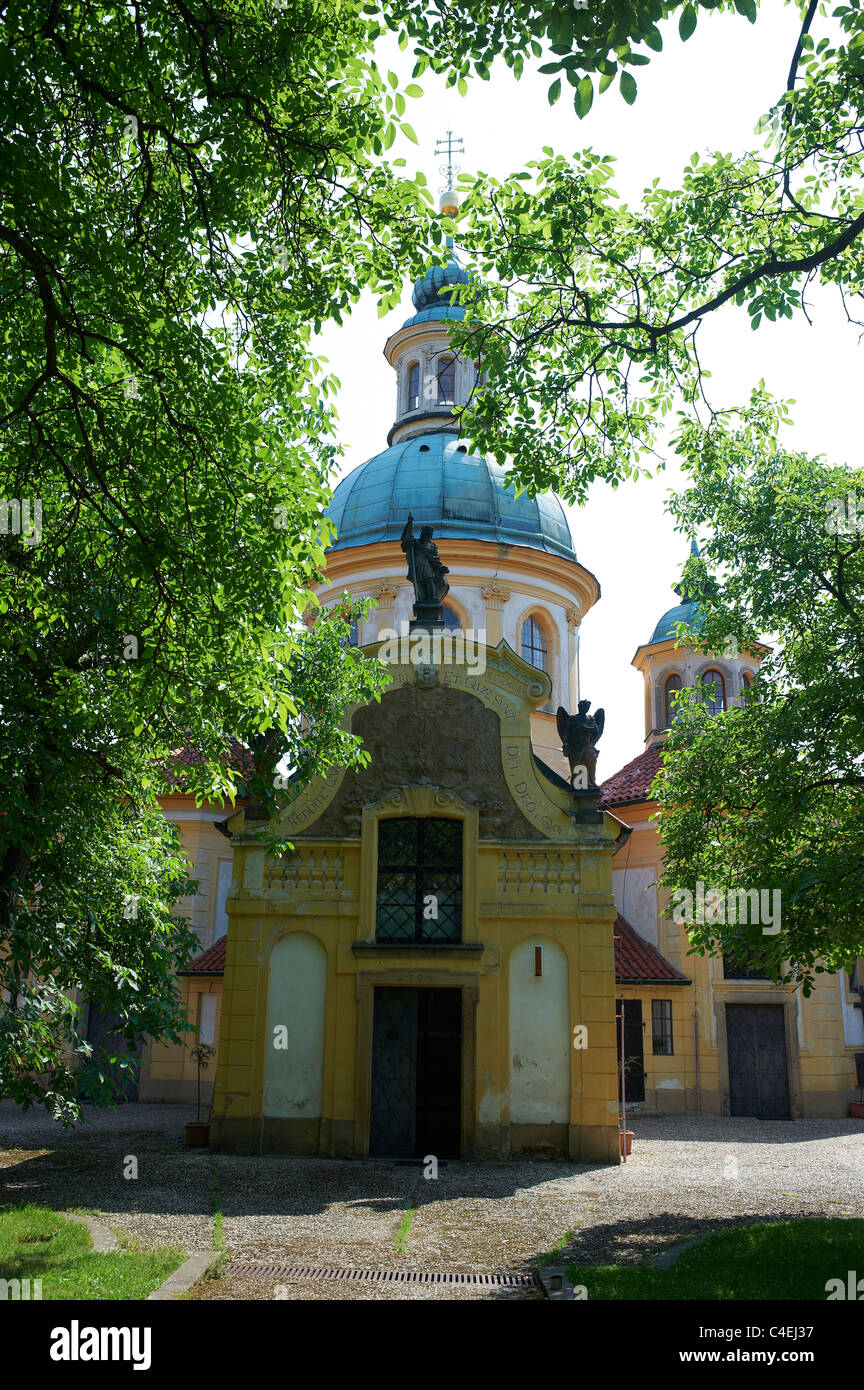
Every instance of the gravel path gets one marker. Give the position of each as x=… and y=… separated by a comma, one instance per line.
x=686, y=1176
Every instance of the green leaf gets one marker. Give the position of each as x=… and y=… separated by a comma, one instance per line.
x=584, y=97
x=628, y=87
x=554, y=92
x=687, y=22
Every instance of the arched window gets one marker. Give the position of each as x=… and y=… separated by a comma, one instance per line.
x=747, y=680
x=671, y=687
x=535, y=649
x=452, y=621
x=716, y=695
x=446, y=381
x=413, y=386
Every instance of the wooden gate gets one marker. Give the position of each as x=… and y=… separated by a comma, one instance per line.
x=758, y=1064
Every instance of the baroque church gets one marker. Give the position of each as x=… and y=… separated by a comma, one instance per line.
x=463, y=956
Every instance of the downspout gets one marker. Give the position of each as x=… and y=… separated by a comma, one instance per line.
x=696, y=1041
x=623, y=1140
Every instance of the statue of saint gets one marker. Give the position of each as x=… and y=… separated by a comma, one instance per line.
x=579, y=734
x=425, y=569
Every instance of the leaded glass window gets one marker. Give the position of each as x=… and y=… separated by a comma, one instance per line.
x=446, y=381
x=739, y=965
x=535, y=649
x=672, y=687
x=661, y=1027
x=419, y=897
x=716, y=691
x=414, y=386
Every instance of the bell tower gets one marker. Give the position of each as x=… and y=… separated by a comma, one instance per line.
x=431, y=379
x=667, y=668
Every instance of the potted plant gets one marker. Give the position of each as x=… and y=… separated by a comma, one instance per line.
x=198, y=1130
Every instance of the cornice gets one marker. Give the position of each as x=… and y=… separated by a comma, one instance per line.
x=523, y=563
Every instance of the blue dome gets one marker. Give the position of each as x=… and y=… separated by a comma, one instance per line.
x=687, y=611
x=682, y=613
x=433, y=291
x=462, y=495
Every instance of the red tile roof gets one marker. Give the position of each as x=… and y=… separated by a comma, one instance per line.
x=633, y=781
x=637, y=962
x=210, y=962
x=238, y=758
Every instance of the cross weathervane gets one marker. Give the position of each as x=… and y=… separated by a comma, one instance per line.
x=449, y=147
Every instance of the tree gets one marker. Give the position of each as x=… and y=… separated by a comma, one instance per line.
x=587, y=314
x=770, y=795
x=191, y=190
x=590, y=311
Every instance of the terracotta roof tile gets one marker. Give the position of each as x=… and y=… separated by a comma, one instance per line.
x=210, y=962
x=632, y=783
x=637, y=962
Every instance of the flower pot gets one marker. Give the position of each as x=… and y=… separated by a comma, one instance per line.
x=626, y=1140
x=856, y=1109
x=197, y=1134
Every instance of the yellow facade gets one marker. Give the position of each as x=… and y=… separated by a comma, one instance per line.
x=546, y=890
x=167, y=1069
x=820, y=1031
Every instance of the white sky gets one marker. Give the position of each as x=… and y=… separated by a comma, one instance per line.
x=704, y=95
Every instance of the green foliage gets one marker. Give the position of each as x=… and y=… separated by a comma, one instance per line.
x=599, y=38
x=769, y=794
x=189, y=195
x=37, y=1243
x=589, y=318
x=779, y=1260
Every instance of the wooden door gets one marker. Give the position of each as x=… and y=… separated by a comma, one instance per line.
x=634, y=1055
x=758, y=1064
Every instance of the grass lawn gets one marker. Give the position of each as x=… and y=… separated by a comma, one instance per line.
x=781, y=1259
x=38, y=1243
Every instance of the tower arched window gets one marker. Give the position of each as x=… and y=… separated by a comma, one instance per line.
x=535, y=648
x=446, y=381
x=452, y=621
x=413, y=386
x=716, y=690
x=671, y=687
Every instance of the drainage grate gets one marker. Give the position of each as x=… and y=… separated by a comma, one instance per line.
x=260, y=1270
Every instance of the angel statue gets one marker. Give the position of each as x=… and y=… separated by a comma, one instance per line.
x=579, y=734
